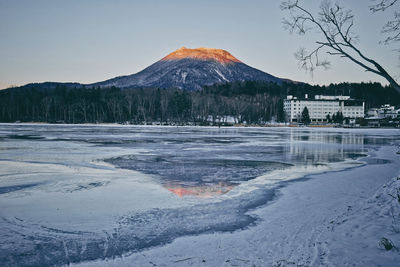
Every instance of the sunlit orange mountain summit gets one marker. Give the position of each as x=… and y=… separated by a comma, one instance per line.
x=203, y=53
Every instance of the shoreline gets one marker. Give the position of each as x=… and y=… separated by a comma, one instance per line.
x=286, y=234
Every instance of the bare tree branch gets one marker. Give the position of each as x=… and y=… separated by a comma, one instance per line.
x=310, y=61
x=392, y=27
x=334, y=23
x=382, y=5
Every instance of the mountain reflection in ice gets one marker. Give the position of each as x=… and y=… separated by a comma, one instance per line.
x=197, y=163
x=70, y=193
x=205, y=190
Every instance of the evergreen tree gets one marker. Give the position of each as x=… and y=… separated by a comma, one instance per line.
x=339, y=117
x=328, y=118
x=305, y=116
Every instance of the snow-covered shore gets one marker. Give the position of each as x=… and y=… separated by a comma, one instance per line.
x=332, y=219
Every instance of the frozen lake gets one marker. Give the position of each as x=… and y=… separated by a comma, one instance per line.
x=72, y=193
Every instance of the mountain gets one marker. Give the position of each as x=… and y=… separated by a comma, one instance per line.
x=191, y=69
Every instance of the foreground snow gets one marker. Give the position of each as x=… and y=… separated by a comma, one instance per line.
x=332, y=219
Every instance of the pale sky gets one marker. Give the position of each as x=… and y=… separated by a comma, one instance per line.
x=93, y=40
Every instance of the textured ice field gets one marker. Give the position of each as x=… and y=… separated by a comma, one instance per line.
x=73, y=193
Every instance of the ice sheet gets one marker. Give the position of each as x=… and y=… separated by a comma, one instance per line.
x=72, y=193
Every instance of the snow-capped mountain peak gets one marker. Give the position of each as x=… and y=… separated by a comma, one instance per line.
x=191, y=69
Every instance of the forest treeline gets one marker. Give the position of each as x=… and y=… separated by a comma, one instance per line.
x=250, y=102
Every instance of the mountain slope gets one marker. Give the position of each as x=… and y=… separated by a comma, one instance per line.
x=191, y=69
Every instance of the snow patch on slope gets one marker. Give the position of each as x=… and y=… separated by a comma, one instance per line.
x=221, y=75
x=184, y=75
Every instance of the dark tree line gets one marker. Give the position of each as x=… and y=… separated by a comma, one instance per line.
x=336, y=118
x=250, y=102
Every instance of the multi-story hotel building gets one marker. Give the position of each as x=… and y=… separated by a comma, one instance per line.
x=321, y=106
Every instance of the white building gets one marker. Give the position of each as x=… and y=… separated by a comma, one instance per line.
x=321, y=106
x=385, y=111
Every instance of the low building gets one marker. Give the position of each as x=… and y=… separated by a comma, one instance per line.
x=322, y=107
x=385, y=111
x=385, y=116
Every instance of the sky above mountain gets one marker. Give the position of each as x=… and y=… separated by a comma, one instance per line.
x=94, y=40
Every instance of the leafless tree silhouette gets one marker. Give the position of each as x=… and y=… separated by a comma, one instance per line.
x=392, y=28
x=335, y=24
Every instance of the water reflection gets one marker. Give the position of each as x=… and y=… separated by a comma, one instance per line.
x=203, y=191
x=201, y=173
x=210, y=163
x=311, y=147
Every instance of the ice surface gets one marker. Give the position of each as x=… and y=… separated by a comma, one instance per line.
x=73, y=193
